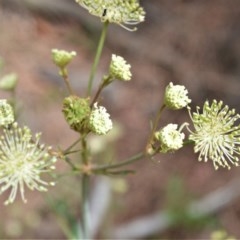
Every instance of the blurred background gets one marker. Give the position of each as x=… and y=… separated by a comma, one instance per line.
x=189, y=42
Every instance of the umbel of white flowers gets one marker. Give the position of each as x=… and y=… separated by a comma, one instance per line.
x=176, y=96
x=170, y=138
x=127, y=12
x=119, y=68
x=99, y=120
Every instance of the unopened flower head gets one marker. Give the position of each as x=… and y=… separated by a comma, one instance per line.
x=119, y=68
x=99, y=121
x=215, y=136
x=127, y=12
x=6, y=113
x=170, y=138
x=62, y=58
x=8, y=82
x=76, y=110
x=221, y=235
x=22, y=160
x=176, y=96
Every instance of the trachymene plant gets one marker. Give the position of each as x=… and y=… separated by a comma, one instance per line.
x=23, y=159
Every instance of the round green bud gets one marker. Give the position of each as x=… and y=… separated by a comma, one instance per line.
x=8, y=82
x=76, y=110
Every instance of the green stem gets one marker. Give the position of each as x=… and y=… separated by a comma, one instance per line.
x=85, y=207
x=155, y=125
x=64, y=74
x=105, y=81
x=120, y=164
x=65, y=152
x=84, y=151
x=97, y=56
x=85, y=213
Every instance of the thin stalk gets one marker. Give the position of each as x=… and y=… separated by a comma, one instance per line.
x=120, y=164
x=97, y=94
x=66, y=80
x=155, y=125
x=85, y=207
x=97, y=57
x=105, y=81
x=85, y=211
x=65, y=152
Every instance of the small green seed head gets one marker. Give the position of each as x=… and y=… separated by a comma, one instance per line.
x=76, y=110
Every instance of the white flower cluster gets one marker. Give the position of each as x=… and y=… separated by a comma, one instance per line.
x=119, y=68
x=99, y=121
x=176, y=96
x=170, y=138
x=121, y=12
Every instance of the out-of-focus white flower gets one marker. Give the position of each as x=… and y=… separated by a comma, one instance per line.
x=22, y=161
x=6, y=113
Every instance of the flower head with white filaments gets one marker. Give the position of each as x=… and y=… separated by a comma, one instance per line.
x=127, y=12
x=215, y=136
x=22, y=160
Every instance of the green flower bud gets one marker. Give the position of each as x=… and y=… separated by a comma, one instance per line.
x=6, y=113
x=119, y=68
x=170, y=138
x=8, y=82
x=76, y=110
x=176, y=97
x=62, y=58
x=99, y=121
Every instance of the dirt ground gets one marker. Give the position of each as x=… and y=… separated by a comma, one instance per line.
x=189, y=42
